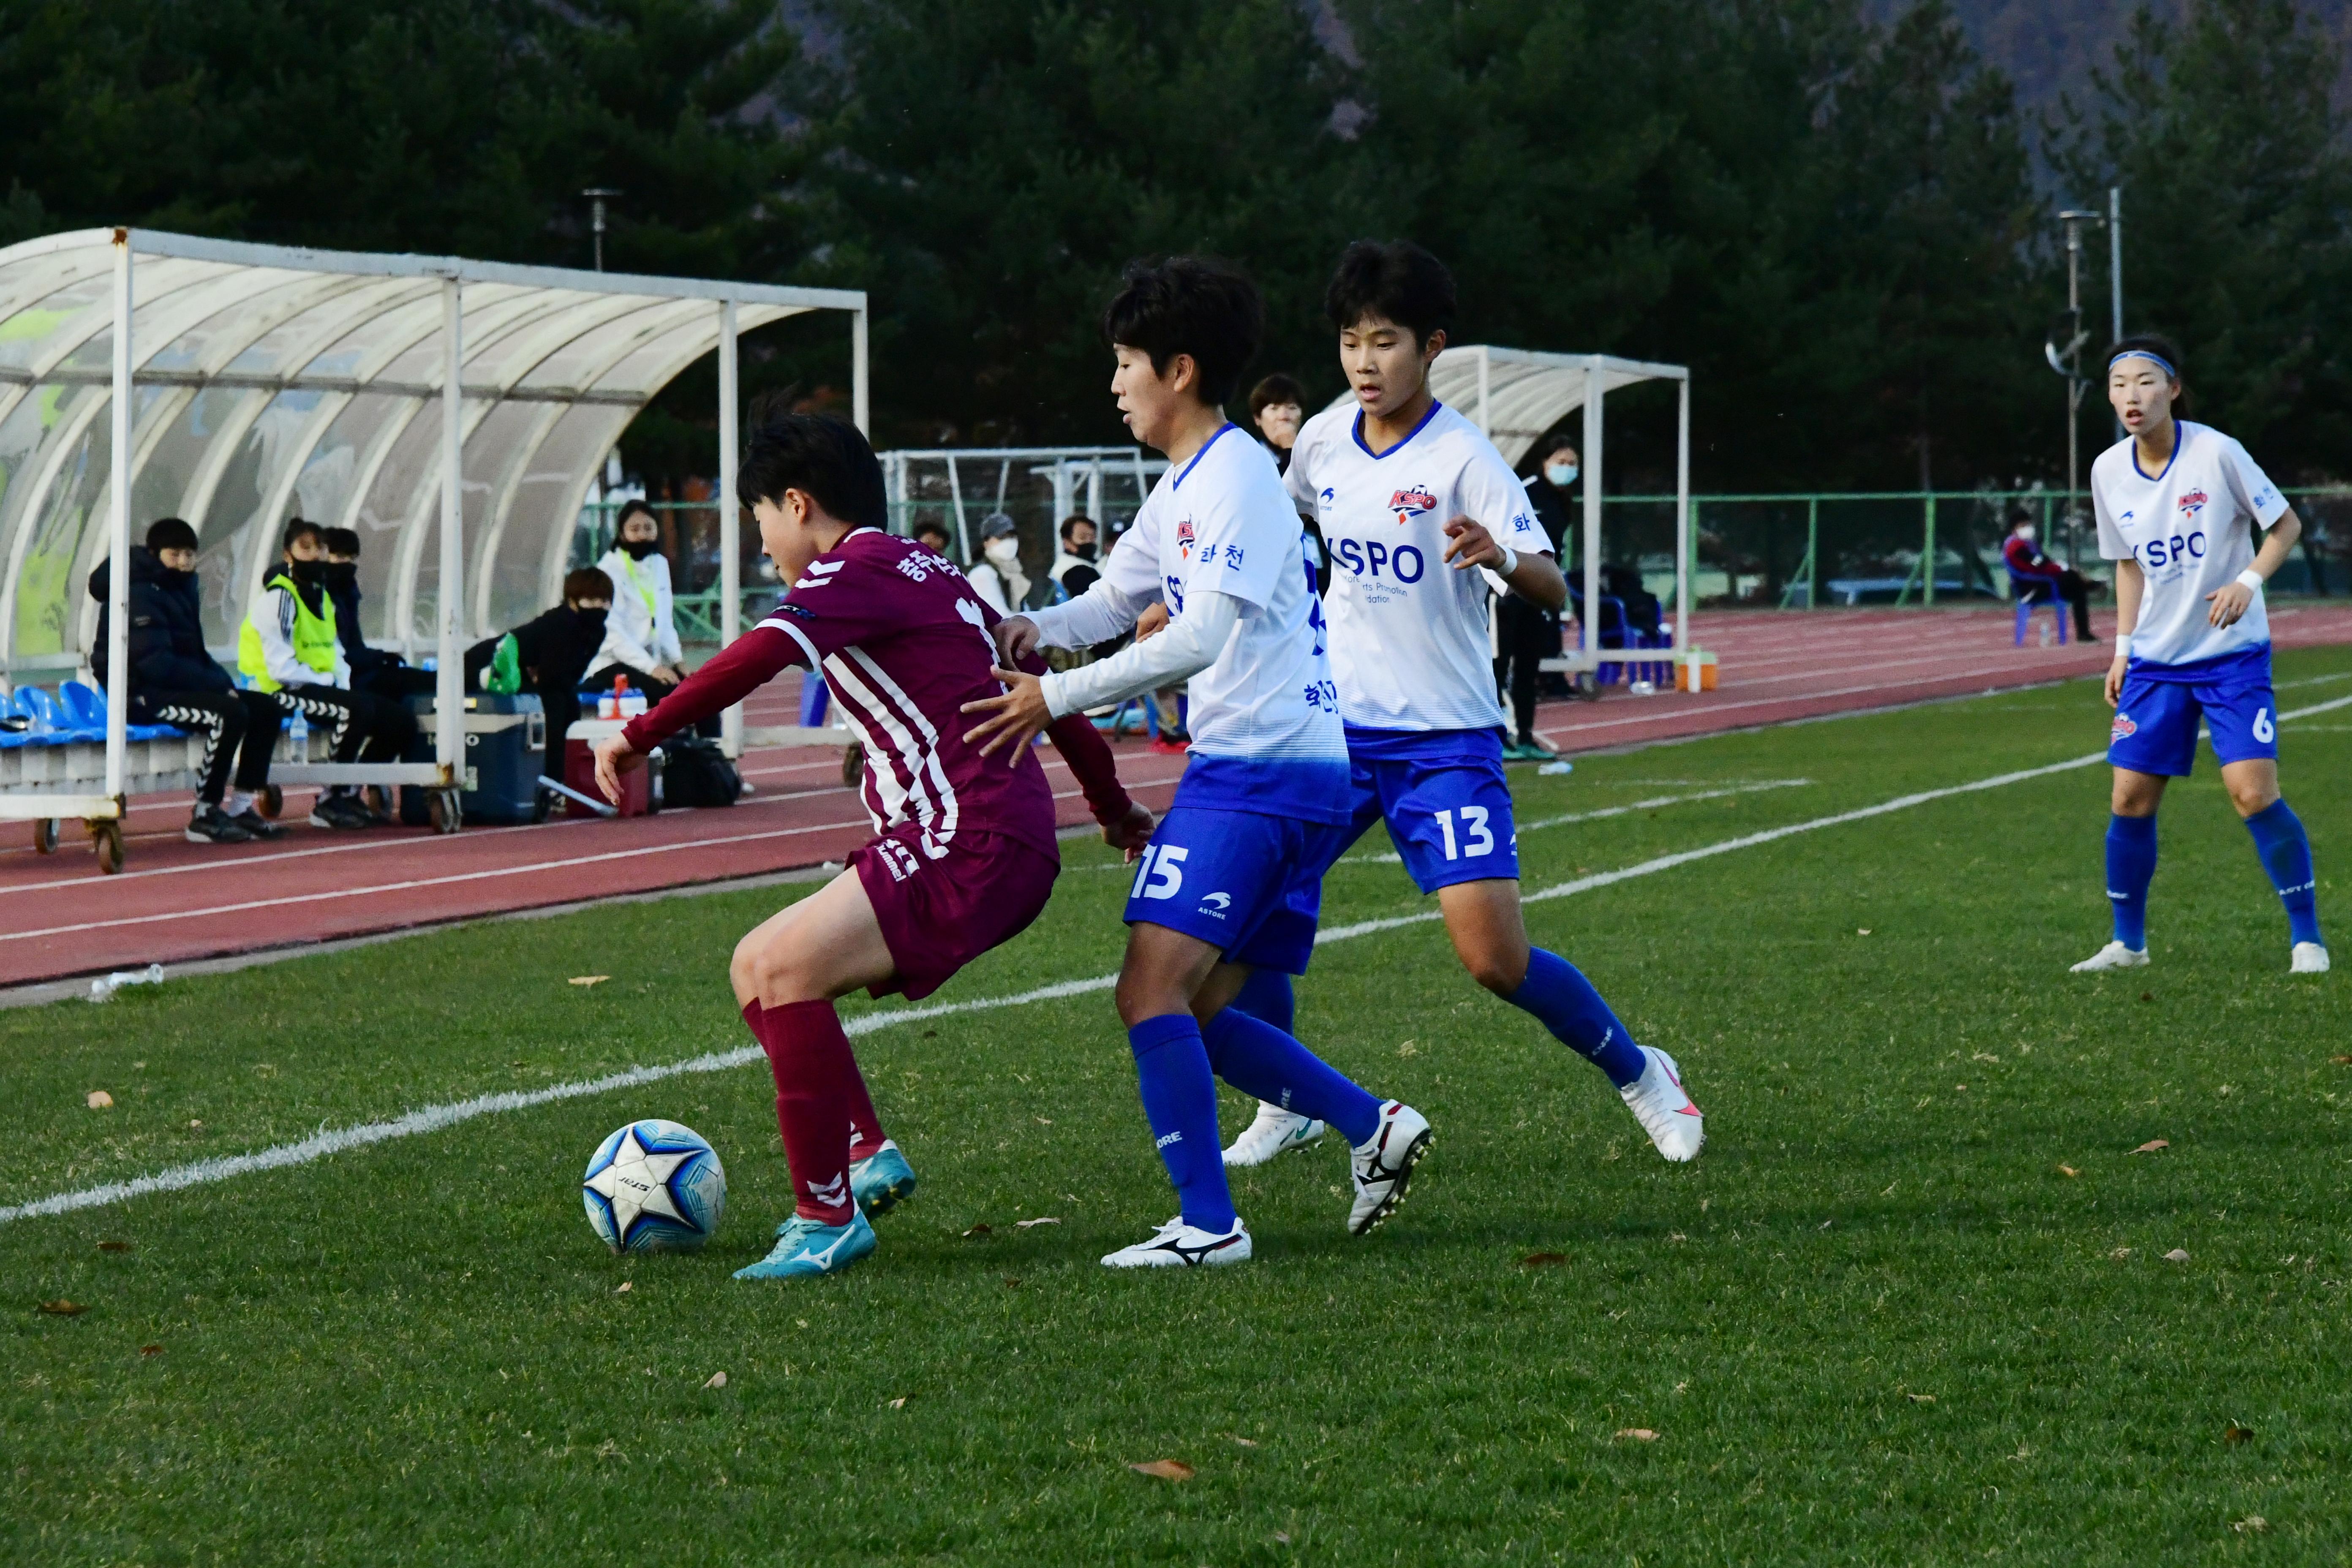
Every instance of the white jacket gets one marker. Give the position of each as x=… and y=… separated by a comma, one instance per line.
x=1001, y=591
x=273, y=621
x=640, y=631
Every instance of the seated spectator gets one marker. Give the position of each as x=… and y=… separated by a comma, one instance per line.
x=641, y=633
x=998, y=578
x=288, y=648
x=934, y=534
x=174, y=680
x=373, y=669
x=1073, y=570
x=1277, y=406
x=2040, y=579
x=556, y=649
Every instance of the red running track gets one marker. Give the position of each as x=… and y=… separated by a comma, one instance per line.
x=176, y=901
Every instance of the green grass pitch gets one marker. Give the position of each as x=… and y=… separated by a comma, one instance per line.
x=1877, y=1321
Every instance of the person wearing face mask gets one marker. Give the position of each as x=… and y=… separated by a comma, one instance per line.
x=288, y=648
x=373, y=669
x=1073, y=570
x=555, y=650
x=2036, y=576
x=998, y=578
x=640, y=634
x=174, y=680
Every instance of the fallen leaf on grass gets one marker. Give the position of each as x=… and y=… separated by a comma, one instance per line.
x=899, y=1403
x=1011, y=1283
x=1863, y=931
x=2253, y=1524
x=99, y=1100
x=1282, y=1536
x=1920, y=1398
x=114, y=1247
x=62, y=1309
x=623, y=1286
x=609, y=1449
x=1639, y=1433
x=2151, y=1146
x=2234, y=1434
x=1041, y=1219
x=1166, y=1469
x=1543, y=1260
x=1245, y=1442
x=2177, y=1255
x=2147, y=995
x=151, y=1349
x=589, y=979
x=980, y=1229
x=2341, y=1061
x=2068, y=1170
x=2120, y=1253
x=716, y=1380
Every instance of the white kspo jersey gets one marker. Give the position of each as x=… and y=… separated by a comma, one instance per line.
x=1264, y=716
x=1409, y=643
x=2191, y=528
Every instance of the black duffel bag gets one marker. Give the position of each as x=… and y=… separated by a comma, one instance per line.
x=695, y=772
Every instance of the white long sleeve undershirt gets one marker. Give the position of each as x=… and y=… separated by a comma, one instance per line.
x=1189, y=645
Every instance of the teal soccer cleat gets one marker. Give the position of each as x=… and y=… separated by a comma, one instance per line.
x=882, y=1181
x=807, y=1247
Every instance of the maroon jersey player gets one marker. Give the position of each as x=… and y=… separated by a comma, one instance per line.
x=964, y=856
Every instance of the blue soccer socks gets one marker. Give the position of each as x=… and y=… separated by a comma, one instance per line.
x=2285, y=850
x=1179, y=1100
x=1564, y=1001
x=1266, y=994
x=2131, y=866
x=1258, y=1058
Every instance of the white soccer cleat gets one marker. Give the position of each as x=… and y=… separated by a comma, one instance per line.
x=2115, y=955
x=1383, y=1164
x=1180, y=1246
x=1275, y=1132
x=1664, y=1109
x=2309, y=958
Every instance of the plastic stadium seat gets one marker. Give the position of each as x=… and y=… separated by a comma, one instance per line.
x=87, y=704
x=52, y=724
x=2023, y=589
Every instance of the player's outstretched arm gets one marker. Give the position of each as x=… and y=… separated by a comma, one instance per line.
x=1530, y=574
x=2231, y=600
x=1189, y=645
x=733, y=673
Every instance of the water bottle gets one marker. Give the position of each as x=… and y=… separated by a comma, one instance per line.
x=298, y=736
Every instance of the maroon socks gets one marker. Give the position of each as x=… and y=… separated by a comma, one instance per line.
x=821, y=1102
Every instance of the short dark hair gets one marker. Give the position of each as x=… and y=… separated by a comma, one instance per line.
x=341, y=540
x=1188, y=305
x=2155, y=343
x=932, y=526
x=825, y=456
x=294, y=528
x=1073, y=521
x=630, y=509
x=171, y=533
x=1395, y=281
x=588, y=582
x=1275, y=388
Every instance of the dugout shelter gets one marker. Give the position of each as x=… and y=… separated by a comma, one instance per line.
x=145, y=374
x=1515, y=395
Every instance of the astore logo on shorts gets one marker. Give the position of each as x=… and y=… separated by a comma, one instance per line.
x=2122, y=727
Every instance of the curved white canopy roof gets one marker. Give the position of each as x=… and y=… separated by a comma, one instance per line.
x=1516, y=395
x=272, y=382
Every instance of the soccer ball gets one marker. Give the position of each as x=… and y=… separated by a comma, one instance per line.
x=654, y=1186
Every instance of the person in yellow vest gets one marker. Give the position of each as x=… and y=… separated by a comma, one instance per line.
x=287, y=649
x=640, y=633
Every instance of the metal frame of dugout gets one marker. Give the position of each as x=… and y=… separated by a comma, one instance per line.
x=559, y=338
x=1515, y=395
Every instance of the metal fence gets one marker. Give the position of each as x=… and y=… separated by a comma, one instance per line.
x=1791, y=551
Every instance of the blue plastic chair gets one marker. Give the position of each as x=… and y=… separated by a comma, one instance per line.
x=87, y=706
x=2030, y=592
x=53, y=723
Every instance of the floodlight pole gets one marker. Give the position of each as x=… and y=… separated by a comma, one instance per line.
x=449, y=683
x=596, y=194
x=118, y=576
x=2116, y=271
x=2072, y=369
x=730, y=520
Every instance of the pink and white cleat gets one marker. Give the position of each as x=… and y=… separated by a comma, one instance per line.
x=1665, y=1111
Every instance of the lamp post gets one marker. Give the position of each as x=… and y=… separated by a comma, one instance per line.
x=596, y=194
x=2068, y=362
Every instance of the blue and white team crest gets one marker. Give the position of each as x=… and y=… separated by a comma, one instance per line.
x=654, y=1186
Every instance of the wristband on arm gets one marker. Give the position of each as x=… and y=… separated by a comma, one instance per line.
x=1510, y=562
x=2123, y=645
x=2251, y=580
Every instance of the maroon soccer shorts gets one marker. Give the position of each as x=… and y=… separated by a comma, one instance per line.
x=939, y=914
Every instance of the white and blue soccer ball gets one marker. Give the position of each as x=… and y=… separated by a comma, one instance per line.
x=654, y=1186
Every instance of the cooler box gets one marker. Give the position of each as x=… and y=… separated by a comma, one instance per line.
x=505, y=744
x=579, y=770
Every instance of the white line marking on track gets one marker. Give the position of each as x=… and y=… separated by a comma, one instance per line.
x=435, y=1118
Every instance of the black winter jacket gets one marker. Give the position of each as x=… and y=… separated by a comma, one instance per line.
x=167, y=631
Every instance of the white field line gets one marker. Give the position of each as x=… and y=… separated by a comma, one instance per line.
x=435, y=1118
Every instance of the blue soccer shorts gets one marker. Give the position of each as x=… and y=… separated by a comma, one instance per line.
x=2156, y=724
x=1249, y=884
x=1450, y=816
